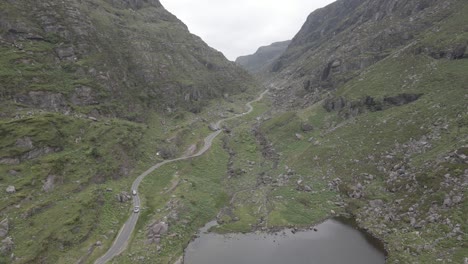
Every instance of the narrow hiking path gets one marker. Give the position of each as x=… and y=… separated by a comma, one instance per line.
x=121, y=241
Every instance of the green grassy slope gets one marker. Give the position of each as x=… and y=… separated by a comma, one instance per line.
x=400, y=170
x=90, y=91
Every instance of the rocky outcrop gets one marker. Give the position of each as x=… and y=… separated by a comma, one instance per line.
x=84, y=95
x=6, y=245
x=39, y=152
x=155, y=231
x=49, y=184
x=123, y=197
x=353, y=108
x=44, y=100
x=4, y=228
x=25, y=142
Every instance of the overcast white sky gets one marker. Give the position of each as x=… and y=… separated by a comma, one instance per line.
x=239, y=27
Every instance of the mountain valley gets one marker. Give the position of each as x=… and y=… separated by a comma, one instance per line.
x=364, y=116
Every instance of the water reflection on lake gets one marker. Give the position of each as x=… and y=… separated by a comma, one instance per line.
x=333, y=243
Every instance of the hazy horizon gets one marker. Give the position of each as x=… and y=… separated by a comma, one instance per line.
x=238, y=28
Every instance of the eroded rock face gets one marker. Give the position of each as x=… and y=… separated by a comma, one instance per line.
x=84, y=95
x=44, y=100
x=66, y=53
x=25, y=142
x=49, y=184
x=39, y=152
x=342, y=39
x=113, y=61
x=353, y=108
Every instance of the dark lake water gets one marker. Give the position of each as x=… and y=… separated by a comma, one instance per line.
x=335, y=242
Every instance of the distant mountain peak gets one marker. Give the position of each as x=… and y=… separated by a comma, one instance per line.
x=263, y=57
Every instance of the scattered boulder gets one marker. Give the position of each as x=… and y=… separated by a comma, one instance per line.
x=11, y=189
x=49, y=184
x=98, y=243
x=213, y=127
x=448, y=202
x=299, y=136
x=4, y=228
x=65, y=53
x=334, y=184
x=13, y=172
x=155, y=231
x=306, y=127
x=376, y=203
x=356, y=191
x=458, y=52
x=457, y=199
x=334, y=104
x=123, y=197
x=6, y=246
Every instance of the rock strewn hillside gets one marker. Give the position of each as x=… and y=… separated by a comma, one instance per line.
x=90, y=91
x=263, y=57
x=383, y=85
x=70, y=55
x=339, y=41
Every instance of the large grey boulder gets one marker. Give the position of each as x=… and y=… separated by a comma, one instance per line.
x=11, y=189
x=123, y=197
x=49, y=183
x=155, y=231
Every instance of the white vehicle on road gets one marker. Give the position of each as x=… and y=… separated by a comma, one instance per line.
x=134, y=192
x=136, y=209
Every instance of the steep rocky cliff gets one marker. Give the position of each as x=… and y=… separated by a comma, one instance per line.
x=59, y=55
x=263, y=57
x=341, y=40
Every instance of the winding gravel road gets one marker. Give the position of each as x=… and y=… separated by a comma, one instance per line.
x=121, y=241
